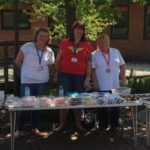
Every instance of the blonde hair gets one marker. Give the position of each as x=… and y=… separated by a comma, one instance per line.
x=104, y=38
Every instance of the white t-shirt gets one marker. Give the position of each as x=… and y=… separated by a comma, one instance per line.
x=107, y=81
x=30, y=68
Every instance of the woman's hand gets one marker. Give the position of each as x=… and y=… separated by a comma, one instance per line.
x=86, y=82
x=19, y=59
x=122, y=76
x=96, y=88
x=55, y=78
x=94, y=79
x=123, y=82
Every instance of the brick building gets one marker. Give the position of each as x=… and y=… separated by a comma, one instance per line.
x=27, y=26
x=131, y=35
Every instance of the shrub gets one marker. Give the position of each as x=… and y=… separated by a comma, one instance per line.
x=138, y=84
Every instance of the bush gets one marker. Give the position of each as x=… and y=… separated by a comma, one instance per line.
x=138, y=84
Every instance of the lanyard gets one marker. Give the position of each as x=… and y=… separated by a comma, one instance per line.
x=75, y=46
x=107, y=61
x=39, y=56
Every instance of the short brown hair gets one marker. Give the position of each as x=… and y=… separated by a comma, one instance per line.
x=42, y=29
x=78, y=24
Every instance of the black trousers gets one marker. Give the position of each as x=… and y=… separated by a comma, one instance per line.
x=108, y=116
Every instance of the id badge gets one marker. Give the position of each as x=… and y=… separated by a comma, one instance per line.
x=40, y=68
x=74, y=59
x=108, y=70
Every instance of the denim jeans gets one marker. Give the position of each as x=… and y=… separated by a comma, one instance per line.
x=71, y=82
x=36, y=89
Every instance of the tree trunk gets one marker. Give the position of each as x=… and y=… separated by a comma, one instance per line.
x=70, y=15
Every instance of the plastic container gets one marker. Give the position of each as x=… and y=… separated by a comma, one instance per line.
x=122, y=91
x=27, y=91
x=2, y=95
x=61, y=91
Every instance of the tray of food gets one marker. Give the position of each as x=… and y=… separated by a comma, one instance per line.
x=108, y=98
x=59, y=101
x=131, y=98
x=74, y=101
x=88, y=101
x=28, y=101
x=44, y=102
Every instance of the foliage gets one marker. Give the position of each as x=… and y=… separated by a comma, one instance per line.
x=139, y=84
x=4, y=3
x=97, y=14
x=141, y=2
x=54, y=9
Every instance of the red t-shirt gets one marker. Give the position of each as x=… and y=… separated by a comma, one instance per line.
x=74, y=63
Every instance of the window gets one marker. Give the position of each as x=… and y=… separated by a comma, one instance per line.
x=120, y=30
x=147, y=22
x=7, y=20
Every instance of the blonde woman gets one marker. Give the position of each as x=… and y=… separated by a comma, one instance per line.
x=108, y=71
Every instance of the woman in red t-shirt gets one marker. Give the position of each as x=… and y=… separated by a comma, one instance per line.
x=74, y=67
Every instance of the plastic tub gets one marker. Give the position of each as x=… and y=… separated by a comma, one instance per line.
x=122, y=91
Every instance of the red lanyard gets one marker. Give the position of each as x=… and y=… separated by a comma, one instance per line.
x=75, y=46
x=107, y=61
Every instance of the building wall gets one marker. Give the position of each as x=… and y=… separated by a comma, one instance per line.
x=136, y=47
x=24, y=35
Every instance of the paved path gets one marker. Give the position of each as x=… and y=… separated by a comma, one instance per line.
x=139, y=69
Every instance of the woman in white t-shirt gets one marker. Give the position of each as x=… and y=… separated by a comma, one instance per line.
x=108, y=71
x=35, y=59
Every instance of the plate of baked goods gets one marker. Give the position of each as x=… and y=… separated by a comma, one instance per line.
x=131, y=98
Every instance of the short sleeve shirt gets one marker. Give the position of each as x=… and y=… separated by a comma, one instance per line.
x=107, y=81
x=29, y=69
x=67, y=63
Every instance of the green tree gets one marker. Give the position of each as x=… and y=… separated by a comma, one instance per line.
x=97, y=14
x=4, y=3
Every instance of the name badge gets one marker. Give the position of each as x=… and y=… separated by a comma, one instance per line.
x=74, y=59
x=40, y=68
x=108, y=70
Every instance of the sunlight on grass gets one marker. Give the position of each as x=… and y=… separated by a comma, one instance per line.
x=74, y=136
x=2, y=139
x=8, y=135
x=111, y=139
